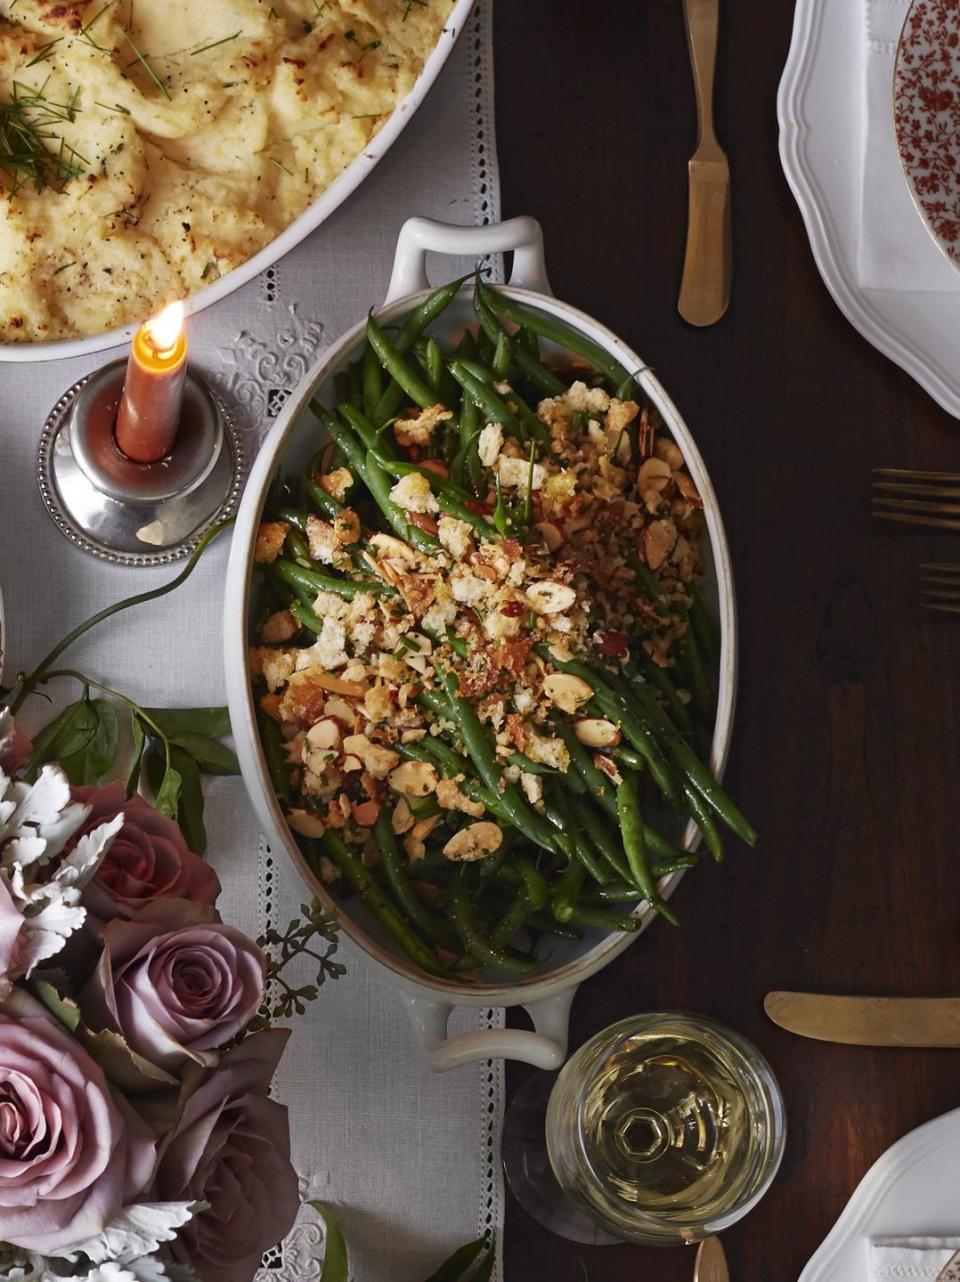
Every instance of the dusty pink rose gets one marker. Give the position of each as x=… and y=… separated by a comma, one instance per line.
x=15, y=752
x=11, y=923
x=231, y=1149
x=176, y=983
x=71, y=1154
x=148, y=860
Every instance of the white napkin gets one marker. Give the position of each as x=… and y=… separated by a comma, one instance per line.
x=896, y=251
x=920, y=1259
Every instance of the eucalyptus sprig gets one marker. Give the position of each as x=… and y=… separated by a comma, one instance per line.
x=173, y=747
x=300, y=940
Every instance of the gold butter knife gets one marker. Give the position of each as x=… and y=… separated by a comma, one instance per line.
x=708, y=263
x=868, y=1021
x=711, y=1263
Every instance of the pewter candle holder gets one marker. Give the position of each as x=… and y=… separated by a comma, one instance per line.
x=137, y=513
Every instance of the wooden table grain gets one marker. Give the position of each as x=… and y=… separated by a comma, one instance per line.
x=846, y=738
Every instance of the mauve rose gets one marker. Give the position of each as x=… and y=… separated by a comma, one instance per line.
x=149, y=859
x=15, y=751
x=230, y=1148
x=176, y=983
x=71, y=1154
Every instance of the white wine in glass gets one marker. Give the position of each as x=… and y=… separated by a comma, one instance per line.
x=663, y=1128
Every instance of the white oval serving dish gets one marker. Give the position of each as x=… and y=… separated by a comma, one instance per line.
x=299, y=229
x=546, y=995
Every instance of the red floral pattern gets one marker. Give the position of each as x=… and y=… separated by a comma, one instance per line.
x=927, y=115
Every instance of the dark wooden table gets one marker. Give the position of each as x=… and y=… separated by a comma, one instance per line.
x=846, y=739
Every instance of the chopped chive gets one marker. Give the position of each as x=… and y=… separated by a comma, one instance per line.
x=279, y=164
x=44, y=52
x=124, y=111
x=146, y=66
x=213, y=44
x=64, y=267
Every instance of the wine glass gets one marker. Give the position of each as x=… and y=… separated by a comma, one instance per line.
x=663, y=1128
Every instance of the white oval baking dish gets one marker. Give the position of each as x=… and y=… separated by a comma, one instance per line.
x=546, y=995
x=299, y=229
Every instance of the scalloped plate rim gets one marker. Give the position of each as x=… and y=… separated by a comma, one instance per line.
x=857, y=305
x=831, y=1262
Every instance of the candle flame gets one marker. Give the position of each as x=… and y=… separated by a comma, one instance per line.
x=163, y=331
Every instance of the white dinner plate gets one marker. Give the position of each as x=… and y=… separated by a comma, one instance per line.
x=913, y=1190
x=819, y=108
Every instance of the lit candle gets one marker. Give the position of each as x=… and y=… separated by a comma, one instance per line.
x=153, y=388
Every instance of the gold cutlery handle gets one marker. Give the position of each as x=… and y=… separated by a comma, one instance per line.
x=702, y=19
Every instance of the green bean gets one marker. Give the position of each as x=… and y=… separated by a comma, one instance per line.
x=486, y=399
x=306, y=617
x=481, y=753
x=411, y=329
x=597, y=782
x=366, y=433
x=690, y=658
x=501, y=356
x=484, y=950
x=622, y=892
x=458, y=644
x=439, y=484
x=304, y=580
x=629, y=756
x=698, y=774
x=510, y=922
x=325, y=503
x=523, y=870
x=392, y=361
x=527, y=357
x=295, y=545
x=704, y=626
x=567, y=891
x=341, y=385
x=570, y=840
x=584, y=915
x=272, y=742
x=379, y=484
x=436, y=367
x=557, y=332
x=344, y=439
x=432, y=925
x=531, y=767
x=293, y=516
x=660, y=678
x=635, y=845
x=334, y=846
x=372, y=381
x=602, y=838
x=701, y=815
x=547, y=926
x=613, y=709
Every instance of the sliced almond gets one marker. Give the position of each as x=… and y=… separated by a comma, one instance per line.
x=324, y=734
x=414, y=847
x=669, y=452
x=305, y=823
x=413, y=779
x=402, y=817
x=654, y=474
x=424, y=827
x=596, y=732
x=550, y=534
x=658, y=540
x=608, y=766
x=549, y=597
x=339, y=708
x=476, y=841
x=387, y=545
x=566, y=691
x=374, y=756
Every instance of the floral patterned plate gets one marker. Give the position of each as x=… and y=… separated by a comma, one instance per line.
x=927, y=115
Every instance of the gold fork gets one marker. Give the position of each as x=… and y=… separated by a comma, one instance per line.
x=940, y=586
x=917, y=498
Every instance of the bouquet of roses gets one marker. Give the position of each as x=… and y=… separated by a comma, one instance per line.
x=138, y=1140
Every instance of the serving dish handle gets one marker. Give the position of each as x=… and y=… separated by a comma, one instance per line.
x=419, y=236
x=546, y=1048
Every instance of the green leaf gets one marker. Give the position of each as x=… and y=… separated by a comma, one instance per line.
x=95, y=759
x=66, y=734
x=212, y=757
x=457, y=1267
x=214, y=722
x=139, y=743
x=167, y=799
x=190, y=807
x=335, y=1248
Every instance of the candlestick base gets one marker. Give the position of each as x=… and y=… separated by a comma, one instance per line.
x=137, y=513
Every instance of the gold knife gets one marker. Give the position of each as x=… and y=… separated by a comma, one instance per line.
x=708, y=263
x=711, y=1263
x=868, y=1021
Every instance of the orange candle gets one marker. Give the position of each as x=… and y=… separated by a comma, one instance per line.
x=150, y=406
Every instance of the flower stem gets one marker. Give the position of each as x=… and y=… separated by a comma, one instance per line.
x=25, y=684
